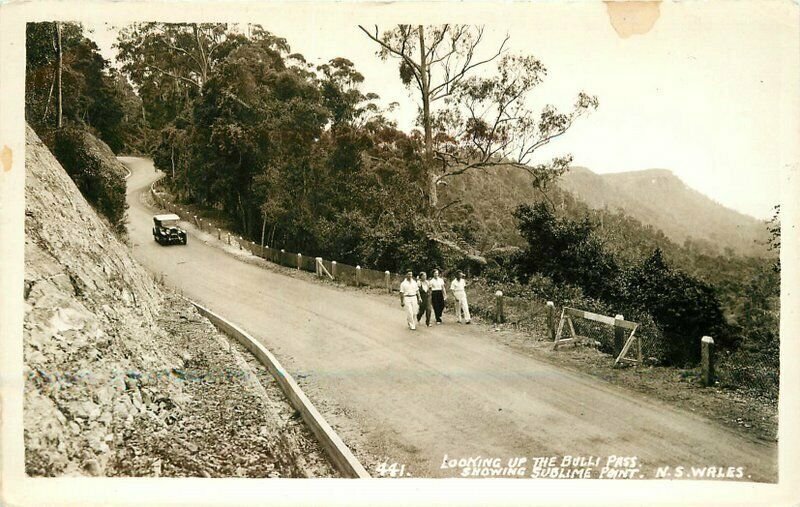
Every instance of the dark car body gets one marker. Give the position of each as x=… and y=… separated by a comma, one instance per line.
x=166, y=230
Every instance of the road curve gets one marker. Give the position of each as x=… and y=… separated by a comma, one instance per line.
x=414, y=397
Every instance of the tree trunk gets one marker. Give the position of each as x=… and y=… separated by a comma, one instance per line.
x=263, y=230
x=49, y=96
x=243, y=212
x=433, y=198
x=203, y=68
x=172, y=159
x=60, y=66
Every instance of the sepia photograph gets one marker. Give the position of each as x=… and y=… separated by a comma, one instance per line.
x=409, y=241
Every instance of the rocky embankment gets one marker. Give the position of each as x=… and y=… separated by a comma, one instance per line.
x=125, y=378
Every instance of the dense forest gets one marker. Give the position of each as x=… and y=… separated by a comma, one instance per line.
x=302, y=157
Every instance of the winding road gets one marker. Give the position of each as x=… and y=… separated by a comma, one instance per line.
x=413, y=397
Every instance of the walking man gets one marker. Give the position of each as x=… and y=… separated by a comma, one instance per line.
x=438, y=295
x=458, y=286
x=425, y=301
x=409, y=299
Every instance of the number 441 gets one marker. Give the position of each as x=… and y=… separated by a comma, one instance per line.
x=391, y=470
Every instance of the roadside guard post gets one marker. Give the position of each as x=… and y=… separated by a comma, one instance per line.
x=619, y=335
x=499, y=312
x=707, y=360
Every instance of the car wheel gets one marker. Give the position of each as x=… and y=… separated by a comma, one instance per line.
x=184, y=240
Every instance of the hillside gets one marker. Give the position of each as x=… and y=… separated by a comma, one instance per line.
x=656, y=198
x=109, y=357
x=659, y=198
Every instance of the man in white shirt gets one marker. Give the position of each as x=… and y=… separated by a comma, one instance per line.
x=458, y=287
x=438, y=295
x=409, y=299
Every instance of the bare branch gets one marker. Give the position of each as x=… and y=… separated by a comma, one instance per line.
x=467, y=66
x=390, y=49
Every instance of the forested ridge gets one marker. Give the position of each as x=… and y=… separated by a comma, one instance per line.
x=305, y=158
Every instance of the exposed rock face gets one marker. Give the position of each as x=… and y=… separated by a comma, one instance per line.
x=123, y=376
x=90, y=326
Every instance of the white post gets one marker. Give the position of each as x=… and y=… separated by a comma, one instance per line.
x=358, y=276
x=333, y=269
x=551, y=320
x=707, y=360
x=499, y=313
x=619, y=335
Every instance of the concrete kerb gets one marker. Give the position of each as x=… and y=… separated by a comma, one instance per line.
x=344, y=460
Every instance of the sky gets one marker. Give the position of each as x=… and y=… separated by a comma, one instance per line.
x=705, y=89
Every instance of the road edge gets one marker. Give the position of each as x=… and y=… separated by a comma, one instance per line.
x=341, y=456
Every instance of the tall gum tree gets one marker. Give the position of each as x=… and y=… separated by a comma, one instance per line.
x=471, y=118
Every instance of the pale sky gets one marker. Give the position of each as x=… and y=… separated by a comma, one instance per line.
x=709, y=92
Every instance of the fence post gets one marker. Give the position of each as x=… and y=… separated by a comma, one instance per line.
x=299, y=260
x=241, y=240
x=387, y=278
x=333, y=269
x=499, y=314
x=317, y=262
x=219, y=233
x=281, y=256
x=619, y=335
x=707, y=360
x=228, y=239
x=551, y=320
x=358, y=276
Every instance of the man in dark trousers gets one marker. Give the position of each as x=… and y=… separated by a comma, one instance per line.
x=438, y=295
x=425, y=295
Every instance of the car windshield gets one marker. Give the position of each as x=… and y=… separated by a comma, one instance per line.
x=169, y=223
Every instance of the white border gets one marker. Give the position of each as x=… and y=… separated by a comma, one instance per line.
x=17, y=489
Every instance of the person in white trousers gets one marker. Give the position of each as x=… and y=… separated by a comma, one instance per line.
x=458, y=288
x=410, y=300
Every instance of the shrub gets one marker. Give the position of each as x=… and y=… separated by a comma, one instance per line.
x=98, y=175
x=567, y=252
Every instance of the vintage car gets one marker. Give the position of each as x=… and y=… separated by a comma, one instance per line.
x=166, y=230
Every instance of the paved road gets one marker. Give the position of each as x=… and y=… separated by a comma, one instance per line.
x=414, y=397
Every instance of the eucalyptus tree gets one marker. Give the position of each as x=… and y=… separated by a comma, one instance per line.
x=474, y=116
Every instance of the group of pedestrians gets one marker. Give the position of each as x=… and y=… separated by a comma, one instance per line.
x=426, y=296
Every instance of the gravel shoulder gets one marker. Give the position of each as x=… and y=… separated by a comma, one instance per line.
x=234, y=420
